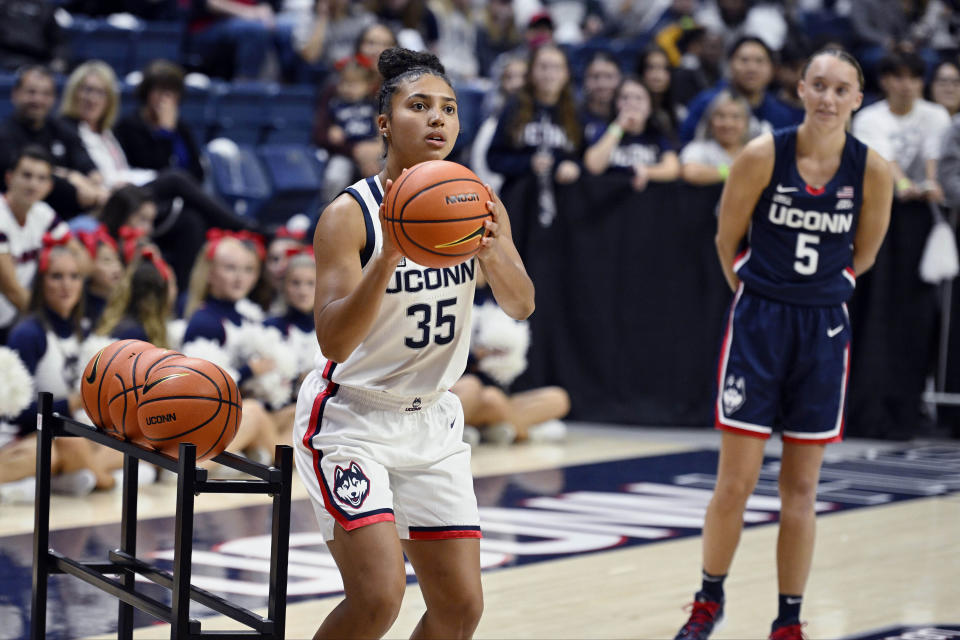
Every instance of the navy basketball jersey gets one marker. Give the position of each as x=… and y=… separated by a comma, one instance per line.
x=801, y=238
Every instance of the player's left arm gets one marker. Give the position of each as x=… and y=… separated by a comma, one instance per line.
x=874, y=212
x=501, y=264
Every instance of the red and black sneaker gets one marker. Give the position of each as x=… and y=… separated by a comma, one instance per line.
x=705, y=615
x=789, y=632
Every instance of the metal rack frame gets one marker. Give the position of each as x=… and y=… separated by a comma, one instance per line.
x=274, y=481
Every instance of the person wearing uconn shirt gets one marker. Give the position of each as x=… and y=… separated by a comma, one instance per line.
x=24, y=221
x=538, y=132
x=633, y=142
x=751, y=70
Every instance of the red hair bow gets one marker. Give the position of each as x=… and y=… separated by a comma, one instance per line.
x=49, y=243
x=249, y=238
x=93, y=239
x=289, y=234
x=150, y=254
x=129, y=241
x=304, y=249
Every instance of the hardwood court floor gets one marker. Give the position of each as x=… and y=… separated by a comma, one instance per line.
x=891, y=564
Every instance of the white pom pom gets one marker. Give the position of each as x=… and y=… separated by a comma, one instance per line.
x=506, y=338
x=305, y=347
x=254, y=340
x=212, y=351
x=16, y=382
x=91, y=345
x=939, y=261
x=176, y=329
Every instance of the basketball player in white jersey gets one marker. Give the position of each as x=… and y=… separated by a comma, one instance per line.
x=378, y=436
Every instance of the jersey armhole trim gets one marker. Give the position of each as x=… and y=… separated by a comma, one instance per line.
x=368, y=246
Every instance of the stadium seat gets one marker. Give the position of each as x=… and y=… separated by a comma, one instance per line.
x=157, y=40
x=239, y=111
x=6, y=88
x=237, y=175
x=291, y=113
x=296, y=175
x=92, y=39
x=195, y=112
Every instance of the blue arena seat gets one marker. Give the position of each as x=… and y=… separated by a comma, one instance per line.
x=237, y=175
x=195, y=112
x=93, y=39
x=291, y=113
x=157, y=40
x=239, y=111
x=296, y=175
x=6, y=88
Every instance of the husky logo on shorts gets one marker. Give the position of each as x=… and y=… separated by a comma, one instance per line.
x=352, y=486
x=734, y=394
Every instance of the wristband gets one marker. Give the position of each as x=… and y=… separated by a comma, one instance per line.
x=615, y=129
x=724, y=171
x=903, y=184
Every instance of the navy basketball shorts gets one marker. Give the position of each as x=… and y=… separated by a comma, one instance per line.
x=367, y=457
x=783, y=366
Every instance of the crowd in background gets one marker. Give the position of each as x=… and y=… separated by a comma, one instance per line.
x=109, y=228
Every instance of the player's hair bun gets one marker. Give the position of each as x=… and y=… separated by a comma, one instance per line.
x=397, y=61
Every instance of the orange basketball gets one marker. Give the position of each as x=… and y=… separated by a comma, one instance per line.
x=123, y=389
x=435, y=212
x=189, y=400
x=93, y=383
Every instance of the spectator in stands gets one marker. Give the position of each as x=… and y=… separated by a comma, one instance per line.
x=787, y=74
x=241, y=28
x=739, y=18
x=141, y=303
x=497, y=34
x=30, y=34
x=600, y=81
x=221, y=321
x=24, y=222
x=132, y=207
x=105, y=274
x=633, y=143
x=457, y=42
x=279, y=249
x=653, y=68
x=539, y=31
x=879, y=26
x=723, y=133
x=539, y=132
x=374, y=40
x=510, y=79
x=48, y=343
x=412, y=20
x=669, y=28
x=904, y=128
x=76, y=183
x=751, y=70
x=700, y=63
x=347, y=126
x=491, y=412
x=944, y=86
x=332, y=32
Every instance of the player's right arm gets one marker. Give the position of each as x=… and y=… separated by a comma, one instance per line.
x=749, y=175
x=348, y=298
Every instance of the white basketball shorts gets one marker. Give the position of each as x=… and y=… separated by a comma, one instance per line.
x=368, y=457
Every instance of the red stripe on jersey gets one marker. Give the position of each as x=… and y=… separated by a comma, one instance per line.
x=816, y=192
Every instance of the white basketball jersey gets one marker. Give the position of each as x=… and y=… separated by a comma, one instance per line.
x=420, y=339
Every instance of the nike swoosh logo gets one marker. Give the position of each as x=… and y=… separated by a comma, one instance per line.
x=453, y=423
x=834, y=331
x=153, y=383
x=794, y=600
x=93, y=372
x=465, y=239
x=783, y=189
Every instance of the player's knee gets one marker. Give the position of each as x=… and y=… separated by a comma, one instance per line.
x=798, y=494
x=732, y=493
x=460, y=612
x=380, y=605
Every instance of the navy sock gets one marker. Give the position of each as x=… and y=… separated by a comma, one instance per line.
x=712, y=587
x=788, y=611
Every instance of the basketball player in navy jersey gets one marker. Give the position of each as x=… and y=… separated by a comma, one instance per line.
x=816, y=204
x=378, y=435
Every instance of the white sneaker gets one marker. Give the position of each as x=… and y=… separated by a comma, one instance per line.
x=19, y=491
x=502, y=433
x=471, y=435
x=549, y=431
x=75, y=483
x=146, y=475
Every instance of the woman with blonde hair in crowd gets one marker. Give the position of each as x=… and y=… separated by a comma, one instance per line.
x=139, y=308
x=226, y=327
x=722, y=133
x=633, y=143
x=48, y=343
